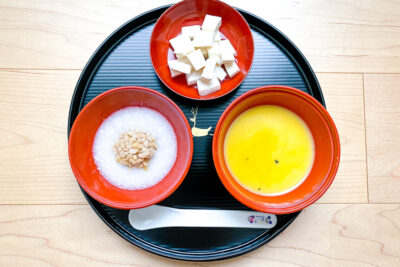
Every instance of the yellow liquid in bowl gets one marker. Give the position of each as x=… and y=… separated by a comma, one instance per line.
x=269, y=150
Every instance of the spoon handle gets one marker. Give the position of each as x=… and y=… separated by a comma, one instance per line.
x=159, y=217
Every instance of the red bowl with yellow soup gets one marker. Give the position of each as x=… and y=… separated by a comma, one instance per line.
x=290, y=158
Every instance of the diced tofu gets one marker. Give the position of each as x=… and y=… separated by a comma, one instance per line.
x=220, y=73
x=203, y=39
x=217, y=58
x=211, y=23
x=200, y=54
x=190, y=31
x=214, y=50
x=192, y=78
x=226, y=52
x=232, y=69
x=175, y=73
x=217, y=36
x=179, y=66
x=185, y=60
x=204, y=52
x=227, y=45
x=181, y=44
x=196, y=59
x=202, y=49
x=208, y=71
x=180, y=56
x=206, y=87
x=227, y=56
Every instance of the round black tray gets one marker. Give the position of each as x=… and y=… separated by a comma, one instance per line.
x=123, y=59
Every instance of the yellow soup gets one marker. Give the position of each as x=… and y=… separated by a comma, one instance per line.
x=269, y=150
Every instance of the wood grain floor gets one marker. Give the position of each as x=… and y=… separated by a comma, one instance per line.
x=354, y=46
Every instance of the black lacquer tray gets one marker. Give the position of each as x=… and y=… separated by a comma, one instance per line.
x=123, y=59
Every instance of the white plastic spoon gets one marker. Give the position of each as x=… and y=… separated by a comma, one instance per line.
x=159, y=216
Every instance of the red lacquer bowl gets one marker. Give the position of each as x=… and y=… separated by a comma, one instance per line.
x=84, y=130
x=326, y=140
x=192, y=12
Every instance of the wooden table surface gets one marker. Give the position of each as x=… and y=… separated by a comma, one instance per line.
x=354, y=47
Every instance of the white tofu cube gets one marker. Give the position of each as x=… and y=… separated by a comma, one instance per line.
x=211, y=23
x=185, y=60
x=226, y=52
x=175, y=73
x=181, y=44
x=227, y=45
x=206, y=87
x=217, y=37
x=227, y=56
x=190, y=31
x=208, y=71
x=220, y=73
x=217, y=59
x=196, y=59
x=232, y=69
x=203, y=50
x=180, y=56
x=192, y=78
x=203, y=39
x=179, y=66
x=214, y=50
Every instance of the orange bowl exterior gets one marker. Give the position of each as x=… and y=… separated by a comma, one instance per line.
x=192, y=12
x=327, y=148
x=82, y=137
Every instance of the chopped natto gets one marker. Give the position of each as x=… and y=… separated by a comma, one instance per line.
x=135, y=148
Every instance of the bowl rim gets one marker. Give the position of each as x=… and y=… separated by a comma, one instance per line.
x=199, y=98
x=104, y=200
x=329, y=177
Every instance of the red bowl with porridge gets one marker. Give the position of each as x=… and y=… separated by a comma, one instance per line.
x=130, y=147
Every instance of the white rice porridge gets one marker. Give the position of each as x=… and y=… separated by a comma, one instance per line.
x=140, y=118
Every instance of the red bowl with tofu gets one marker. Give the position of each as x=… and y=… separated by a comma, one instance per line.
x=192, y=12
